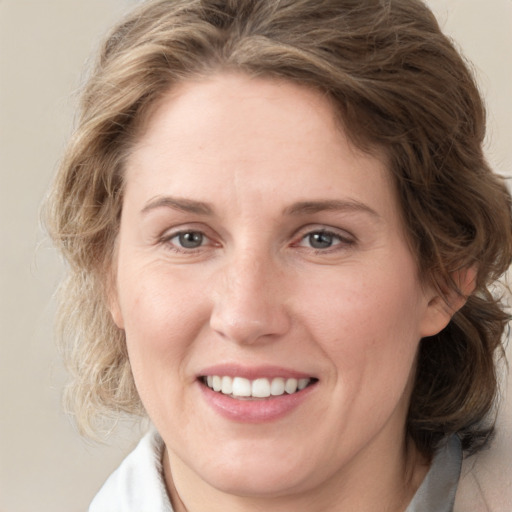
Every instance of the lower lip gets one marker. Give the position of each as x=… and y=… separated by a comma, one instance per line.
x=260, y=410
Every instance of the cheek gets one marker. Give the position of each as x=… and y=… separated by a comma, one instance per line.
x=163, y=316
x=163, y=320
x=368, y=306
x=157, y=301
x=368, y=327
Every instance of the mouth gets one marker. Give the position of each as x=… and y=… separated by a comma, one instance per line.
x=241, y=388
x=257, y=394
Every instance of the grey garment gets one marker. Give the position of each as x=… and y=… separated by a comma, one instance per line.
x=138, y=484
x=437, y=492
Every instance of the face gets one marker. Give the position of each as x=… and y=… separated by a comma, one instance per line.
x=262, y=255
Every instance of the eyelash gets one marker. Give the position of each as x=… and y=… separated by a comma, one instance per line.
x=340, y=242
x=167, y=241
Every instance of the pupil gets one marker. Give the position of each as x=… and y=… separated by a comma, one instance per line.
x=191, y=240
x=320, y=240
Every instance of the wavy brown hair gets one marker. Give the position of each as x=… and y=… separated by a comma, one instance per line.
x=398, y=85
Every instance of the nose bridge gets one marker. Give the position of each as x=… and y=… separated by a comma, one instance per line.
x=250, y=272
x=248, y=304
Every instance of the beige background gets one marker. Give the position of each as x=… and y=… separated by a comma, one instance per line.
x=44, y=465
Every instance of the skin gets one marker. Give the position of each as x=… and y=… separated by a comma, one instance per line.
x=256, y=292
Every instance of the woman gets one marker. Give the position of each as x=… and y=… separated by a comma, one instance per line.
x=282, y=232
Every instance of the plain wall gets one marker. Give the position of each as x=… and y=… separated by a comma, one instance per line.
x=44, y=464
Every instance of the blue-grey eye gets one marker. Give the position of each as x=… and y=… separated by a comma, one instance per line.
x=321, y=240
x=191, y=239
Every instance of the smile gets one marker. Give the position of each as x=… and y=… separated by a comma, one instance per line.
x=240, y=387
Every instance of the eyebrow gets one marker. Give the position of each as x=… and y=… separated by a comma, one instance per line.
x=310, y=207
x=296, y=209
x=178, y=203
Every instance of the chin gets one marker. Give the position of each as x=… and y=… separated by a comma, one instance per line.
x=257, y=482
x=259, y=471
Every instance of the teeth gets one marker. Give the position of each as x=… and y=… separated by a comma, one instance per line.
x=217, y=383
x=258, y=388
x=227, y=385
x=302, y=384
x=241, y=387
x=290, y=386
x=277, y=387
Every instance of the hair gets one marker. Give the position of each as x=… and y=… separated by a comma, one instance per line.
x=395, y=81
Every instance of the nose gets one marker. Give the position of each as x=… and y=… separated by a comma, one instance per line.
x=248, y=301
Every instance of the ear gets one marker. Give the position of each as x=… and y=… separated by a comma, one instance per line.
x=115, y=311
x=443, y=304
x=113, y=301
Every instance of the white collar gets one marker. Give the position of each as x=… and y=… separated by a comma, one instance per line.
x=137, y=485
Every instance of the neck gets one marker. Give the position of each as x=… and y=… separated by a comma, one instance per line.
x=372, y=482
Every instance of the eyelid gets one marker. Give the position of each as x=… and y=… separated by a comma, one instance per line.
x=185, y=227
x=344, y=240
x=343, y=234
x=344, y=237
x=166, y=236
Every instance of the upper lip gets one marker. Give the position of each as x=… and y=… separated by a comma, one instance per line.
x=254, y=372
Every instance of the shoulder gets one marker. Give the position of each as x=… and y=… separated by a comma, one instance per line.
x=486, y=478
x=137, y=484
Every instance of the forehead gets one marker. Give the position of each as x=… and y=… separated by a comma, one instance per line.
x=257, y=135
x=236, y=104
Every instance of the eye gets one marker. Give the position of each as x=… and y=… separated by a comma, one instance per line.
x=189, y=239
x=324, y=239
x=321, y=239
